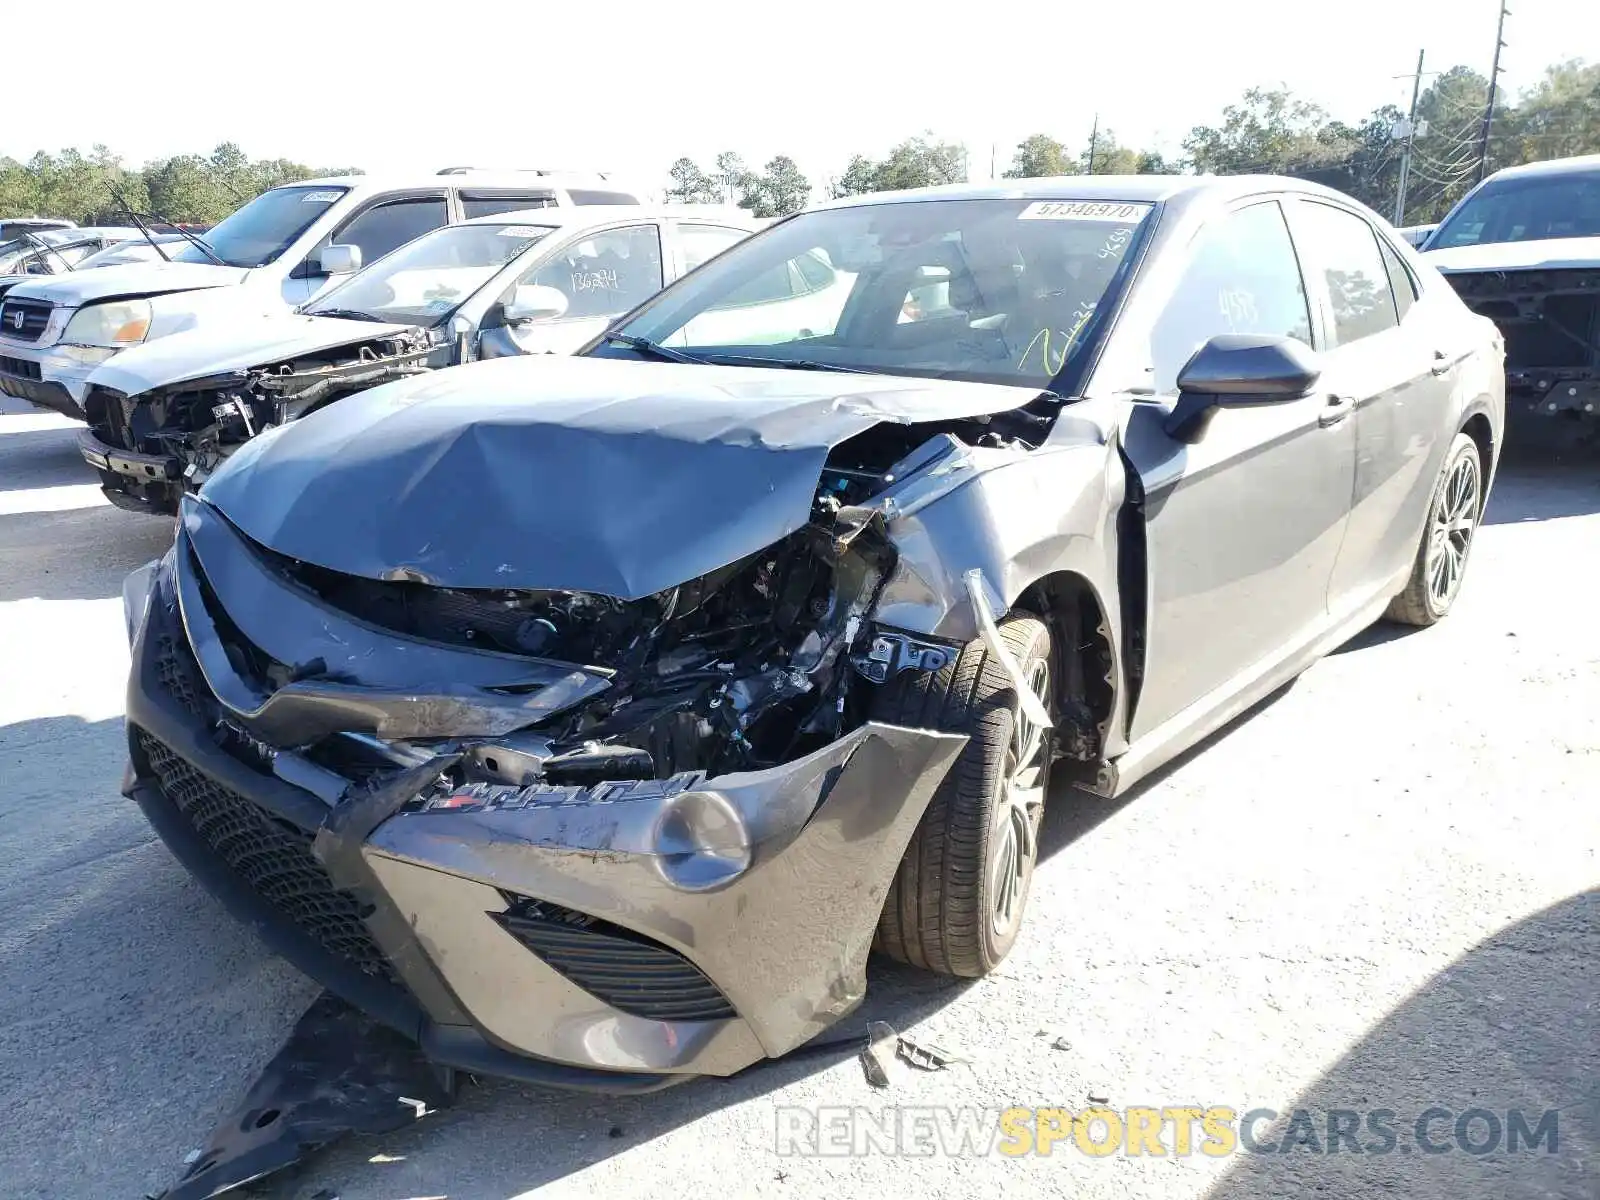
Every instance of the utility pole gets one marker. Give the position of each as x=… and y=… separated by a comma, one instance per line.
x=1494, y=81
x=1094, y=136
x=1411, y=133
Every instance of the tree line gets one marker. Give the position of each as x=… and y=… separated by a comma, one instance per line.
x=98, y=189
x=1268, y=130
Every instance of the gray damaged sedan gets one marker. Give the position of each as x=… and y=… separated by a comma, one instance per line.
x=590, y=719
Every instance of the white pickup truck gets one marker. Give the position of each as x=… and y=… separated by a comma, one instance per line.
x=271, y=255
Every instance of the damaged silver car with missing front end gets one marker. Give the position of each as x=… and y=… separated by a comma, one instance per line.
x=589, y=719
x=164, y=415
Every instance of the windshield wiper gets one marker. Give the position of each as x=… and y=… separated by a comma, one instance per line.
x=48, y=249
x=791, y=364
x=349, y=314
x=654, y=349
x=138, y=223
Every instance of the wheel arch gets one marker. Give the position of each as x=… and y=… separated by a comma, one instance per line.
x=1087, y=688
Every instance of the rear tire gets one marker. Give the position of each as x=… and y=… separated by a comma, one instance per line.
x=1441, y=562
x=957, y=900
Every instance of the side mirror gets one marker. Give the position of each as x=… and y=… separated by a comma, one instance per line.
x=1235, y=370
x=340, y=260
x=534, y=302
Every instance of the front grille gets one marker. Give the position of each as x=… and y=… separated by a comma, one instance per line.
x=24, y=320
x=625, y=969
x=272, y=856
x=20, y=367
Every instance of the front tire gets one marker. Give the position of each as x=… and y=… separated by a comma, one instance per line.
x=1441, y=561
x=957, y=900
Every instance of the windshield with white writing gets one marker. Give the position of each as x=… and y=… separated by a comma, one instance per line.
x=997, y=291
x=426, y=280
x=1525, y=210
x=256, y=234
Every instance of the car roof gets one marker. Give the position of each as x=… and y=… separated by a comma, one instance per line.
x=594, y=214
x=1582, y=164
x=1133, y=189
x=1192, y=194
x=396, y=181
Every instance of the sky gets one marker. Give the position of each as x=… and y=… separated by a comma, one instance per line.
x=629, y=87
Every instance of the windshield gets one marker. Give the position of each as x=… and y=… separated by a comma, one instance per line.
x=996, y=291
x=264, y=228
x=425, y=280
x=1525, y=210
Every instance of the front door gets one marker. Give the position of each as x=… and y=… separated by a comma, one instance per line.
x=1242, y=527
x=602, y=275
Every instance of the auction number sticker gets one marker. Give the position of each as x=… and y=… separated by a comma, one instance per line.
x=520, y=231
x=1083, y=210
x=320, y=197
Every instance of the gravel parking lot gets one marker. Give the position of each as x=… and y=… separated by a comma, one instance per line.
x=1380, y=890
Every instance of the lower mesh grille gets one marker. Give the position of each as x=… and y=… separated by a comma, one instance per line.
x=272, y=856
x=625, y=969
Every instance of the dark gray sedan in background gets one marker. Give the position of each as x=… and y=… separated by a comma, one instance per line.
x=589, y=719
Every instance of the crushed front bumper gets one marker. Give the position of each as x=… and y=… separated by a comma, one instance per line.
x=613, y=938
x=148, y=483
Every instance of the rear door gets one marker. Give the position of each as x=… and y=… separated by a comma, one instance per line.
x=1242, y=528
x=1379, y=352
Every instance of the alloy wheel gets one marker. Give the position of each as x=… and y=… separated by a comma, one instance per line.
x=1455, y=518
x=1022, y=799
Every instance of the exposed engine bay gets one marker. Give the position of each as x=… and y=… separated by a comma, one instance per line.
x=750, y=666
x=1551, y=322
x=198, y=423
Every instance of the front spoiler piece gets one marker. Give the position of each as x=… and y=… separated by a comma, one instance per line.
x=340, y=1072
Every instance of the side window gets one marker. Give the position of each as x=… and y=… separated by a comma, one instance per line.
x=605, y=274
x=701, y=242
x=1400, y=281
x=582, y=196
x=1242, y=277
x=1345, y=247
x=389, y=226
x=486, y=204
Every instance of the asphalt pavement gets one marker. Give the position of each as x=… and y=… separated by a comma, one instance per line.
x=1379, y=891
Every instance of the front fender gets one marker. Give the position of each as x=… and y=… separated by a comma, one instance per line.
x=1016, y=516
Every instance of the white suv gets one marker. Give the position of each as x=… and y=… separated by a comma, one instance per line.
x=275, y=253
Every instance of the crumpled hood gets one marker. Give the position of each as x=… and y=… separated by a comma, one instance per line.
x=582, y=474
x=1550, y=254
x=228, y=347
x=130, y=279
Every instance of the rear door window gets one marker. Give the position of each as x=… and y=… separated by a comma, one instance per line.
x=487, y=204
x=593, y=196
x=1345, y=250
x=700, y=242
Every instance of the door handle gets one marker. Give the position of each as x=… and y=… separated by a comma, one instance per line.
x=1335, y=410
x=1443, y=361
